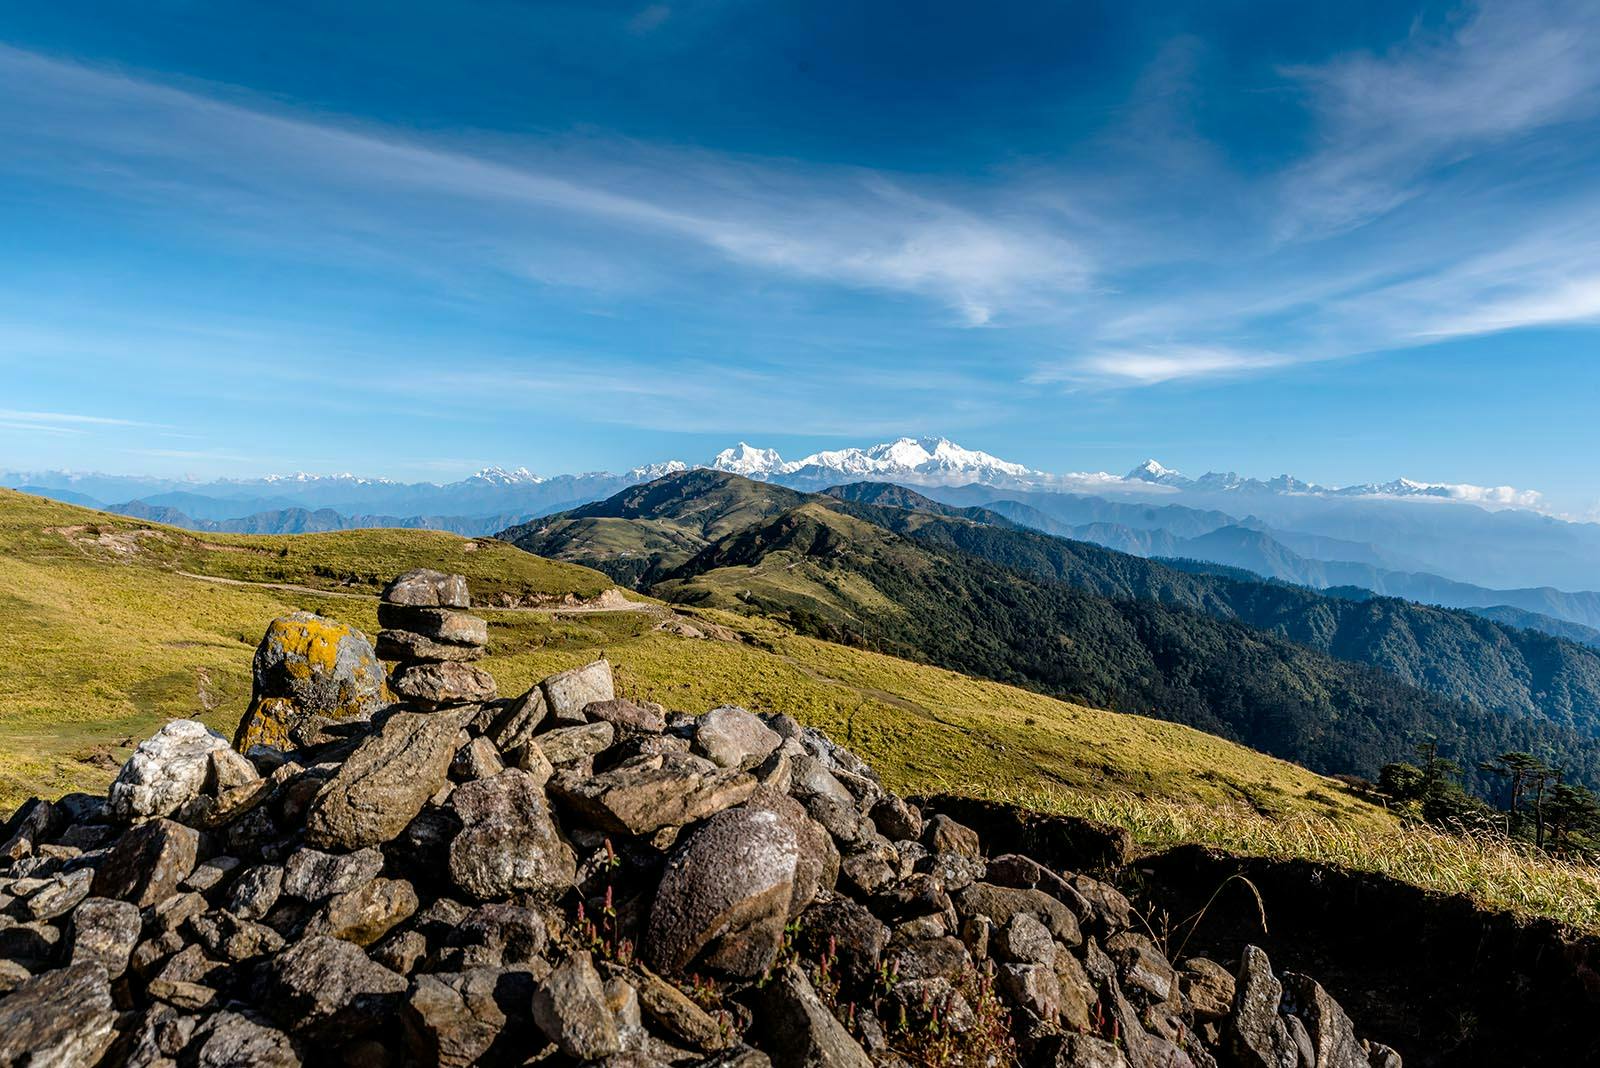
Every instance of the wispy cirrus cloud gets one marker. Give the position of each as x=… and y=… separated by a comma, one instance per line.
x=245, y=167
x=1151, y=366
x=1383, y=122
x=60, y=422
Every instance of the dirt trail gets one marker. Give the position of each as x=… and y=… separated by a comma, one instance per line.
x=603, y=603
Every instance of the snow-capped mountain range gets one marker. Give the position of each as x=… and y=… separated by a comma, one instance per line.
x=923, y=462
x=1493, y=536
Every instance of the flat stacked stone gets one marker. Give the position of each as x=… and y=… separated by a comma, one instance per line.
x=433, y=641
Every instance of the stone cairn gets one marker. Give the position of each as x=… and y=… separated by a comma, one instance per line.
x=570, y=878
x=433, y=641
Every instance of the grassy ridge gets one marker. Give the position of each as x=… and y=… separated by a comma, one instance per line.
x=116, y=637
x=103, y=643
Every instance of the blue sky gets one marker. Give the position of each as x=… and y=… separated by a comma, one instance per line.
x=1347, y=241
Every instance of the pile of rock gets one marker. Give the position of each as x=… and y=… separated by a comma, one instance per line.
x=433, y=641
x=569, y=877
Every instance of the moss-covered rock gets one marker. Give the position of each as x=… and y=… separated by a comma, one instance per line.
x=309, y=671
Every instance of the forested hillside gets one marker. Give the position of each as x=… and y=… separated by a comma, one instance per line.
x=1455, y=653
x=846, y=579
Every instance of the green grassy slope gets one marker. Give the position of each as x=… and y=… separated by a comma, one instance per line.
x=105, y=637
x=112, y=633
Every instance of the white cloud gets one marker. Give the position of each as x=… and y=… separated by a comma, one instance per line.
x=1150, y=366
x=283, y=176
x=1511, y=67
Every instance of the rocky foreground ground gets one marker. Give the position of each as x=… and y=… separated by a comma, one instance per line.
x=571, y=877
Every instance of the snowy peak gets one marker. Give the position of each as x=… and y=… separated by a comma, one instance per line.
x=924, y=461
x=748, y=460
x=651, y=472
x=1153, y=471
x=499, y=476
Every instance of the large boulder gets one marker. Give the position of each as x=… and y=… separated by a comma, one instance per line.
x=166, y=771
x=385, y=783
x=309, y=671
x=508, y=842
x=725, y=896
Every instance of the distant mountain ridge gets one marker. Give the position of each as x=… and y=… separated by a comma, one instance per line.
x=1340, y=685
x=1482, y=536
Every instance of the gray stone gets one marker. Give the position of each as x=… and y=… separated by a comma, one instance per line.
x=455, y=1019
x=413, y=648
x=104, y=932
x=13, y=975
x=566, y=745
x=384, y=783
x=646, y=793
x=496, y=935
x=850, y=936
x=167, y=770
x=209, y=874
x=512, y=728
x=61, y=895
x=897, y=820
x=1024, y=940
x=426, y=588
x=439, y=624
x=567, y=692
x=942, y=834
x=725, y=895
x=1033, y=987
x=508, y=842
x=436, y=685
x=1144, y=967
x=228, y=937
x=626, y=715
x=1000, y=903
x=367, y=913
x=674, y=1012
x=253, y=894
x=733, y=737
x=1208, y=986
x=148, y=863
x=478, y=759
x=1331, y=1034
x=325, y=986
x=1257, y=1036
x=801, y=1030
x=570, y=1008
x=313, y=876
x=63, y=1019
x=234, y=1040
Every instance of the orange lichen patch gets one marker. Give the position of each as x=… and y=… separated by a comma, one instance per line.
x=266, y=722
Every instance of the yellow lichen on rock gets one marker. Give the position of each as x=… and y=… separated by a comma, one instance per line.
x=309, y=671
x=266, y=723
